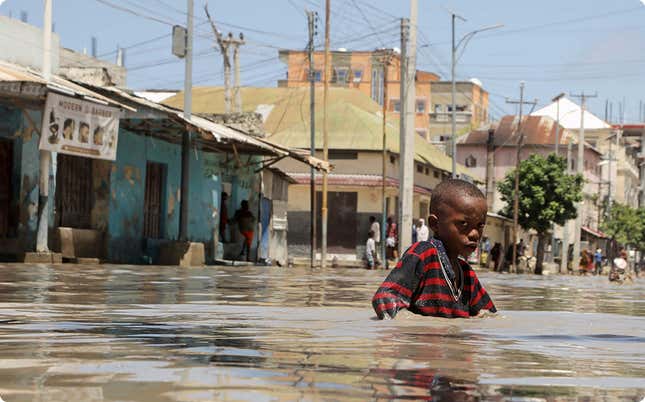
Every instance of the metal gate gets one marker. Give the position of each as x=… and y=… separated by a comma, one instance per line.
x=153, y=200
x=6, y=164
x=341, y=221
x=74, y=192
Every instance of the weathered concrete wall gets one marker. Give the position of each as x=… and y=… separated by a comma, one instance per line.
x=17, y=127
x=127, y=191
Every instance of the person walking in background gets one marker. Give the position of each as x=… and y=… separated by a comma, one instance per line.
x=391, y=239
x=370, y=251
x=597, y=257
x=414, y=231
x=246, y=225
x=495, y=253
x=423, y=233
x=375, y=228
x=586, y=262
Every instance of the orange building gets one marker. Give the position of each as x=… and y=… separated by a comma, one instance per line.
x=364, y=71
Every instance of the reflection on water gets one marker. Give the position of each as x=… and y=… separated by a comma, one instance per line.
x=122, y=333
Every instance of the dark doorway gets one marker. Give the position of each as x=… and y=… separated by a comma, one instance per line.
x=341, y=221
x=6, y=193
x=74, y=191
x=153, y=200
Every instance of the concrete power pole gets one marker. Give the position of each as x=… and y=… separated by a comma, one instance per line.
x=45, y=156
x=224, y=45
x=565, y=229
x=580, y=170
x=408, y=97
x=387, y=55
x=516, y=192
x=188, y=105
x=323, y=251
x=311, y=19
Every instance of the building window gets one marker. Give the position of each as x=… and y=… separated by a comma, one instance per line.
x=471, y=161
x=392, y=159
x=438, y=108
x=377, y=85
x=421, y=106
x=343, y=155
x=340, y=76
x=395, y=105
x=419, y=168
x=427, y=171
x=358, y=76
x=435, y=174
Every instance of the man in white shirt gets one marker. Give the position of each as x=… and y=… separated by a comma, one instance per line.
x=376, y=229
x=423, y=233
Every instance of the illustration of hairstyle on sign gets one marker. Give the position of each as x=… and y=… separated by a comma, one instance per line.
x=68, y=129
x=84, y=132
x=53, y=128
x=98, y=135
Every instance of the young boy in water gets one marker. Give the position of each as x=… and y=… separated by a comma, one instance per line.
x=432, y=278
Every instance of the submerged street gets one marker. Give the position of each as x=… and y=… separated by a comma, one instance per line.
x=108, y=333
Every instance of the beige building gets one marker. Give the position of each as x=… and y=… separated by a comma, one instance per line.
x=355, y=150
x=471, y=110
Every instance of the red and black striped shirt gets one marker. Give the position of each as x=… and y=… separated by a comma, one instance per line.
x=418, y=283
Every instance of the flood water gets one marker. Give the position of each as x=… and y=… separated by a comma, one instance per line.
x=124, y=333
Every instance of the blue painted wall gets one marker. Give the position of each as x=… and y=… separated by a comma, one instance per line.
x=18, y=127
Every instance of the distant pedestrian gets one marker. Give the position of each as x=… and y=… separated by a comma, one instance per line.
x=376, y=229
x=223, y=217
x=586, y=262
x=370, y=250
x=597, y=257
x=414, y=232
x=246, y=225
x=423, y=233
x=495, y=253
x=391, y=239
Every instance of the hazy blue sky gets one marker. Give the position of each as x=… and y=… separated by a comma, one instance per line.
x=555, y=46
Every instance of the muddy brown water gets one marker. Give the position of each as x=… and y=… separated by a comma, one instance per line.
x=125, y=333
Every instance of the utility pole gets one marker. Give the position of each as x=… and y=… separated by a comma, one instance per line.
x=311, y=19
x=42, y=234
x=323, y=251
x=224, y=45
x=557, y=149
x=580, y=170
x=453, y=113
x=565, y=235
x=387, y=54
x=408, y=97
x=185, y=149
x=516, y=193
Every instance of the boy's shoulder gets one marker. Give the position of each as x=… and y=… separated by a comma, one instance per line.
x=422, y=250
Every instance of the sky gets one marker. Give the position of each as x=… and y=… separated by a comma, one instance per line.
x=570, y=46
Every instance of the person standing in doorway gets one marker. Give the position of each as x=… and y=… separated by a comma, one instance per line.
x=391, y=239
x=375, y=229
x=223, y=217
x=245, y=224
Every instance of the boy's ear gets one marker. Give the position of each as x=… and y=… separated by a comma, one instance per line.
x=433, y=222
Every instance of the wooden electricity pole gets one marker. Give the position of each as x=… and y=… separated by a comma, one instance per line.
x=323, y=251
x=516, y=193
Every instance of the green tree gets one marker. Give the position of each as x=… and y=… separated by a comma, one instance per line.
x=547, y=195
x=626, y=225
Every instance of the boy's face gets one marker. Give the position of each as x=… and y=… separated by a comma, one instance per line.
x=459, y=224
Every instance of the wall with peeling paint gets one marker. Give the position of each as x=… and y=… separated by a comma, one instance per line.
x=23, y=129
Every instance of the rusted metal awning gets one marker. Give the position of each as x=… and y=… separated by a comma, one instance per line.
x=214, y=135
x=20, y=82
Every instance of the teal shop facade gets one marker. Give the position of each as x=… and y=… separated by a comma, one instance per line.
x=123, y=211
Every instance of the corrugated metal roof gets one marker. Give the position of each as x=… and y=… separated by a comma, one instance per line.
x=569, y=115
x=538, y=130
x=354, y=120
x=219, y=132
x=14, y=74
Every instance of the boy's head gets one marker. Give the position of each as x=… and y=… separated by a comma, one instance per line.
x=458, y=216
x=370, y=234
x=372, y=219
